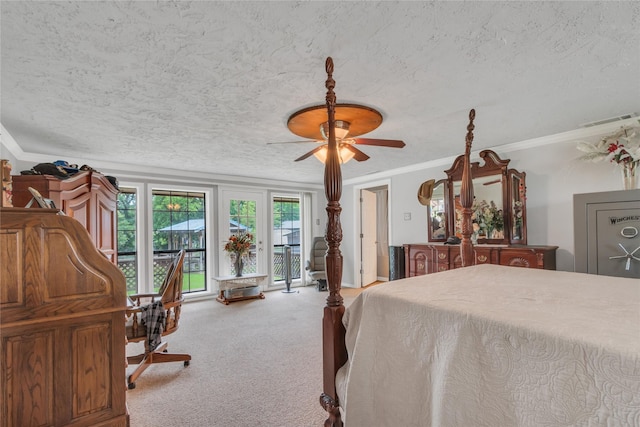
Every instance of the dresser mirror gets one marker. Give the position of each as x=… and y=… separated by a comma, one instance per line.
x=518, y=211
x=499, y=203
x=488, y=216
x=437, y=212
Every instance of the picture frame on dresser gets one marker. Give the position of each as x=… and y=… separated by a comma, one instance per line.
x=39, y=200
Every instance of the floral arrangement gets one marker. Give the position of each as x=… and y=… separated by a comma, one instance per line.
x=488, y=216
x=622, y=148
x=239, y=243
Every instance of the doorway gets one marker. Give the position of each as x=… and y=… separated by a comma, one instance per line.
x=242, y=212
x=373, y=242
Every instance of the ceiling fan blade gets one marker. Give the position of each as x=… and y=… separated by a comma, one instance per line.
x=393, y=143
x=358, y=155
x=309, y=154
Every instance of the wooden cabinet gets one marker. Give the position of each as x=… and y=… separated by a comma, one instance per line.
x=431, y=258
x=86, y=196
x=5, y=176
x=62, y=325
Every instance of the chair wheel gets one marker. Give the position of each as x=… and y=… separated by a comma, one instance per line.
x=131, y=386
x=186, y=363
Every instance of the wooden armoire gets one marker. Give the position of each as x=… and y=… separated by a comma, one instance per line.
x=87, y=196
x=62, y=324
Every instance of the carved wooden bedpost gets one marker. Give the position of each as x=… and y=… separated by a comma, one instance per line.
x=466, y=197
x=334, y=350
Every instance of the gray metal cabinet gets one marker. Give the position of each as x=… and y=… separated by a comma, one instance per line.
x=607, y=233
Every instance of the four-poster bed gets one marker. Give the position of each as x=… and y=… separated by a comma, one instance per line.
x=481, y=345
x=334, y=350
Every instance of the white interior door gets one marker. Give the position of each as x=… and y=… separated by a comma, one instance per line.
x=369, y=264
x=243, y=211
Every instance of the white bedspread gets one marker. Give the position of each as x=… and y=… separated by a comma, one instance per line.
x=494, y=346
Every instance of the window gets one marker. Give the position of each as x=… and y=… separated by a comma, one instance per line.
x=286, y=232
x=127, y=231
x=179, y=223
x=243, y=219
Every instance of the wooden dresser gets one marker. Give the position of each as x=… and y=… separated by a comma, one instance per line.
x=86, y=196
x=62, y=324
x=427, y=258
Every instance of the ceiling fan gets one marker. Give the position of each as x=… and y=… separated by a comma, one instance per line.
x=351, y=120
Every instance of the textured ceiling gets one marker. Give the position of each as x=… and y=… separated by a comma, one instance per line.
x=204, y=86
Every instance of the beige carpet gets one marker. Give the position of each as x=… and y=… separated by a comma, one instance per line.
x=255, y=363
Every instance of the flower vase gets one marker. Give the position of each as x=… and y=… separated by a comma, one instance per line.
x=489, y=233
x=630, y=176
x=237, y=264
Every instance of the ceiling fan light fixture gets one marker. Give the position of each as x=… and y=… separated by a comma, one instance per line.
x=344, y=154
x=342, y=129
x=351, y=121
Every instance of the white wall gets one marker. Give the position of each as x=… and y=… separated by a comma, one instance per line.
x=554, y=175
x=145, y=178
x=7, y=147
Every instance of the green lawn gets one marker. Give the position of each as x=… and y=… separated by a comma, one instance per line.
x=191, y=282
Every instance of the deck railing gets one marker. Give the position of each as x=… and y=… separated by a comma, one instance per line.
x=195, y=264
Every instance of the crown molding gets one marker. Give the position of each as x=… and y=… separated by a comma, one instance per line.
x=584, y=133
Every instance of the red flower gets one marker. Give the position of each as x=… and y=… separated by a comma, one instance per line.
x=614, y=146
x=239, y=244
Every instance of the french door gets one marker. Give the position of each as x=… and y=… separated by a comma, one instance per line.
x=242, y=212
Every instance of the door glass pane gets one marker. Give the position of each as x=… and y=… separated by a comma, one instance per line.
x=286, y=232
x=242, y=219
x=179, y=223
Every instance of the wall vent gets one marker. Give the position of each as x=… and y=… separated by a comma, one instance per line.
x=610, y=120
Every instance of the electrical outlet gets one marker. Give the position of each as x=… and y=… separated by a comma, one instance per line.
x=407, y=216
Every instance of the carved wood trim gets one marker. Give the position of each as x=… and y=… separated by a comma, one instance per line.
x=519, y=262
x=491, y=163
x=334, y=349
x=466, y=197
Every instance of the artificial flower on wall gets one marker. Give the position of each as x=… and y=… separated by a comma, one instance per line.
x=621, y=148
